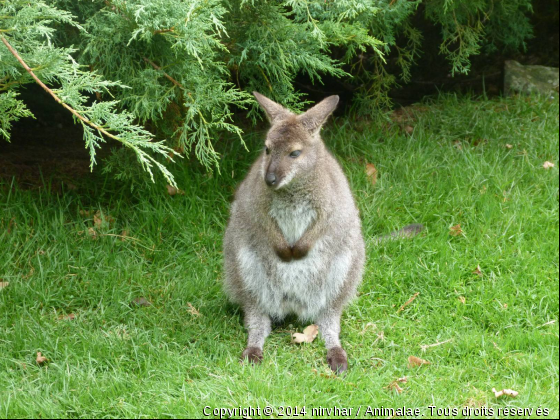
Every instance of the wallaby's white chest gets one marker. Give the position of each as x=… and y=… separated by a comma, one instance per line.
x=293, y=218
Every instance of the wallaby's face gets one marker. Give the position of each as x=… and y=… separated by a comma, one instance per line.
x=290, y=152
x=293, y=141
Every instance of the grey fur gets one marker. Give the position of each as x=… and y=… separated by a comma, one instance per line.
x=295, y=246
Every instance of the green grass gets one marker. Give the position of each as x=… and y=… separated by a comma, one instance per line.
x=119, y=360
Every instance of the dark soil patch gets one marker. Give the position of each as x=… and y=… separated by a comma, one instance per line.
x=46, y=151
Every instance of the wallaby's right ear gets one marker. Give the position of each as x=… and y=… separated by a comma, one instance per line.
x=274, y=111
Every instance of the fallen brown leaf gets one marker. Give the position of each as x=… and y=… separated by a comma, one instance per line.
x=100, y=220
x=4, y=284
x=171, y=190
x=478, y=271
x=414, y=361
x=371, y=172
x=92, y=232
x=40, y=358
x=309, y=334
x=395, y=384
x=509, y=146
x=456, y=230
x=97, y=220
x=508, y=392
x=193, y=310
x=408, y=129
x=548, y=165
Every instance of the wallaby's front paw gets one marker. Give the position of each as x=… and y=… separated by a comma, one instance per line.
x=285, y=253
x=299, y=251
x=252, y=354
x=336, y=358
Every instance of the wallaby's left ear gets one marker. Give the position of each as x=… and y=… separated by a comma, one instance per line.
x=314, y=119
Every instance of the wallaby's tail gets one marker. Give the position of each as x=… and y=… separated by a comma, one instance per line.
x=406, y=232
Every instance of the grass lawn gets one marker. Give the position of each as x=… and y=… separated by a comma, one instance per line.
x=478, y=164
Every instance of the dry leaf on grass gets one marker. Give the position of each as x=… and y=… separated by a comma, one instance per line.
x=548, y=165
x=4, y=284
x=40, y=358
x=414, y=361
x=456, y=230
x=395, y=384
x=478, y=271
x=100, y=220
x=509, y=146
x=463, y=299
x=371, y=172
x=171, y=190
x=408, y=129
x=92, y=232
x=508, y=392
x=97, y=220
x=309, y=334
x=193, y=310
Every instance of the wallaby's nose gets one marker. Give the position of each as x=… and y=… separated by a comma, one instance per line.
x=270, y=179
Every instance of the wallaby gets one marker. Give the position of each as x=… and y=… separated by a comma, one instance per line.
x=294, y=242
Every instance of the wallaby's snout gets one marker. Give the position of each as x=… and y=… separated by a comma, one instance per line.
x=270, y=179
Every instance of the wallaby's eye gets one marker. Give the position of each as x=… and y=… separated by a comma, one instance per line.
x=295, y=154
x=267, y=150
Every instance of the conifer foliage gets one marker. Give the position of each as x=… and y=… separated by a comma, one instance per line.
x=181, y=67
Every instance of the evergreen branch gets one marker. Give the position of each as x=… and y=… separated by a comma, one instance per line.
x=145, y=159
x=171, y=79
x=56, y=98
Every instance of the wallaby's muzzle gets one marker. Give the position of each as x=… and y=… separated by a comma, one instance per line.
x=270, y=179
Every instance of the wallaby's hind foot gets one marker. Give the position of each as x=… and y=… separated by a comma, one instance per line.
x=337, y=360
x=253, y=355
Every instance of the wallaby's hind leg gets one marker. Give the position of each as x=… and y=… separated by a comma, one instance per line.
x=329, y=321
x=258, y=326
x=329, y=326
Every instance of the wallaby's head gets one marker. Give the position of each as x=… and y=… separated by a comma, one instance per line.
x=293, y=142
